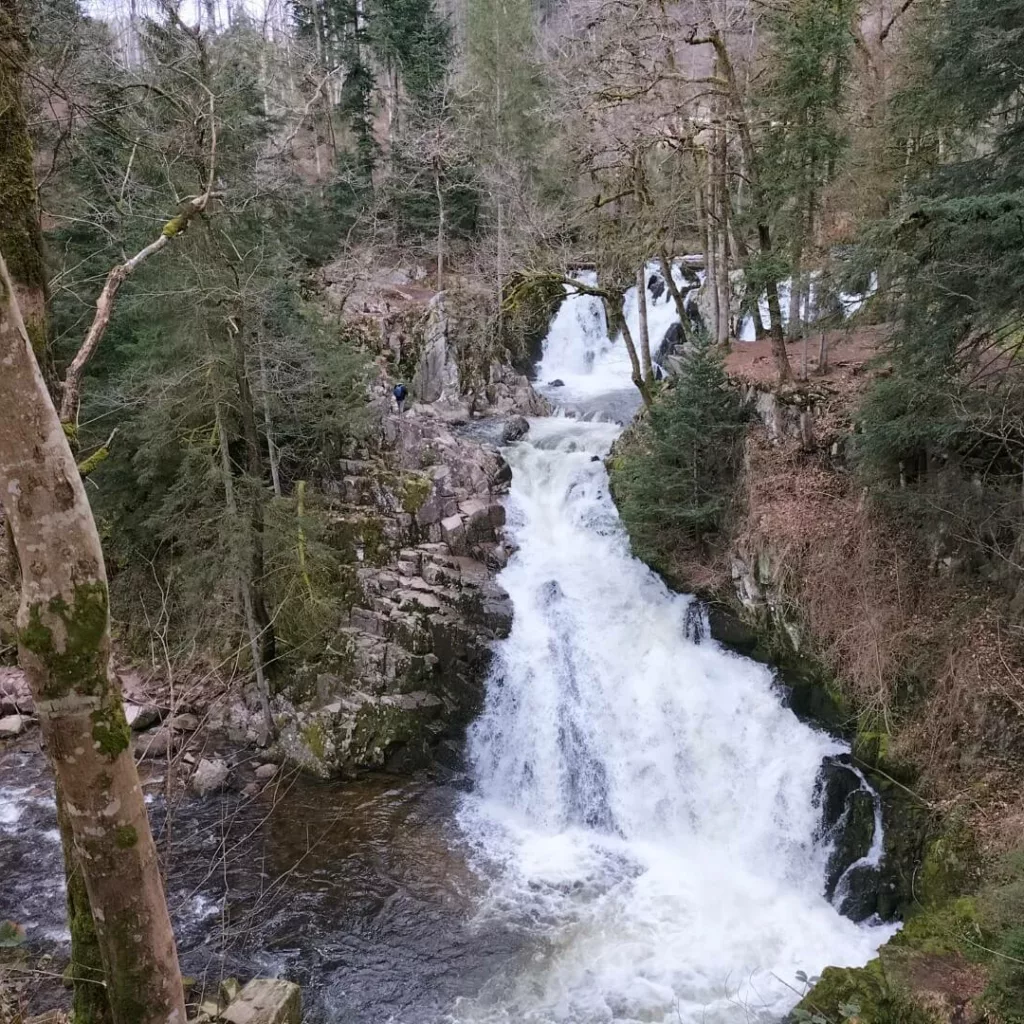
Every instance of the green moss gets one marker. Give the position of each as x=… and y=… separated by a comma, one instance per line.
x=87, y=466
x=20, y=236
x=416, y=489
x=376, y=546
x=125, y=837
x=75, y=658
x=110, y=731
x=315, y=740
x=868, y=995
x=839, y=987
x=940, y=929
x=949, y=866
x=35, y=327
x=173, y=226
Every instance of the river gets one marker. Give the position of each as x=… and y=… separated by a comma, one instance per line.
x=636, y=837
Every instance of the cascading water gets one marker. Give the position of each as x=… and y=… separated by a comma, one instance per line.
x=644, y=805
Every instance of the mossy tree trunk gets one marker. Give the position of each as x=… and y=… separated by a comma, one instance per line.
x=64, y=648
x=90, y=1004
x=20, y=236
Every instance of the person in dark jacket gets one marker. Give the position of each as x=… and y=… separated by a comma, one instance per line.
x=401, y=393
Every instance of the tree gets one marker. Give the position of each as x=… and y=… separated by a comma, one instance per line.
x=674, y=479
x=64, y=647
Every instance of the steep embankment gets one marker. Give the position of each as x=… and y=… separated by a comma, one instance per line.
x=885, y=636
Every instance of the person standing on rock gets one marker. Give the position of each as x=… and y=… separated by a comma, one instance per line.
x=400, y=392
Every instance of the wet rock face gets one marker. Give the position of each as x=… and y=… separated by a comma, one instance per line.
x=416, y=642
x=852, y=881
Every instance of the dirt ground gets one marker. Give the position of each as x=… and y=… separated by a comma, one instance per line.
x=848, y=352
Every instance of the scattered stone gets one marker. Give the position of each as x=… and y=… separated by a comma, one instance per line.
x=15, y=695
x=141, y=716
x=230, y=989
x=251, y=790
x=556, y=383
x=515, y=430
x=159, y=743
x=266, y=771
x=183, y=723
x=210, y=775
x=266, y=1001
x=209, y=1009
x=11, y=726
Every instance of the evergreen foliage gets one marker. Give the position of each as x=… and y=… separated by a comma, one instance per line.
x=943, y=434
x=674, y=480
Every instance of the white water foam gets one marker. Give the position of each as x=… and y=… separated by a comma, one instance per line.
x=579, y=352
x=644, y=804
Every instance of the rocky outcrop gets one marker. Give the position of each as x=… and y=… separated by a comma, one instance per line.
x=424, y=522
x=436, y=378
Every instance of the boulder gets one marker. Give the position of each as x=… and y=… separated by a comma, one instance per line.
x=436, y=376
x=141, y=716
x=158, y=743
x=211, y=774
x=266, y=771
x=183, y=723
x=556, y=383
x=266, y=1001
x=515, y=429
x=454, y=533
x=11, y=726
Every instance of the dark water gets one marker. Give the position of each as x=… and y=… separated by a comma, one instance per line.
x=359, y=891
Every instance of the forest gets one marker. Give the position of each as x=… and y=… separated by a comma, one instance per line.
x=736, y=286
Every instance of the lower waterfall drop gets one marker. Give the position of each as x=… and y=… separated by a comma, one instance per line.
x=644, y=805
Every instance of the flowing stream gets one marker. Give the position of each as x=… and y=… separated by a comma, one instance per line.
x=639, y=838
x=643, y=799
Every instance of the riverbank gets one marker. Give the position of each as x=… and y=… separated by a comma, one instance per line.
x=892, y=642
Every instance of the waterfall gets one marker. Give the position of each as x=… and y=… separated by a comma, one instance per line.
x=643, y=804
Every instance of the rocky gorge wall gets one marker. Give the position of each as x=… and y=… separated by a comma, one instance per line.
x=417, y=521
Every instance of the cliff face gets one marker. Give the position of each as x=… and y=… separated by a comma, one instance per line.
x=416, y=522
x=887, y=636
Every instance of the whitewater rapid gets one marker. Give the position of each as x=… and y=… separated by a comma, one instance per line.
x=644, y=805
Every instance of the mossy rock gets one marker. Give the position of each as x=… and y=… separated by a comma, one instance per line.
x=873, y=749
x=416, y=489
x=841, y=987
x=873, y=994
x=941, y=928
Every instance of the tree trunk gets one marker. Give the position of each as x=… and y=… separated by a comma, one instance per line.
x=795, y=294
x=21, y=239
x=89, y=1002
x=710, y=259
x=244, y=584
x=440, y=231
x=64, y=648
x=20, y=234
x=778, y=335
x=645, y=334
x=254, y=467
x=721, y=245
x=673, y=289
x=268, y=424
x=752, y=168
x=617, y=325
